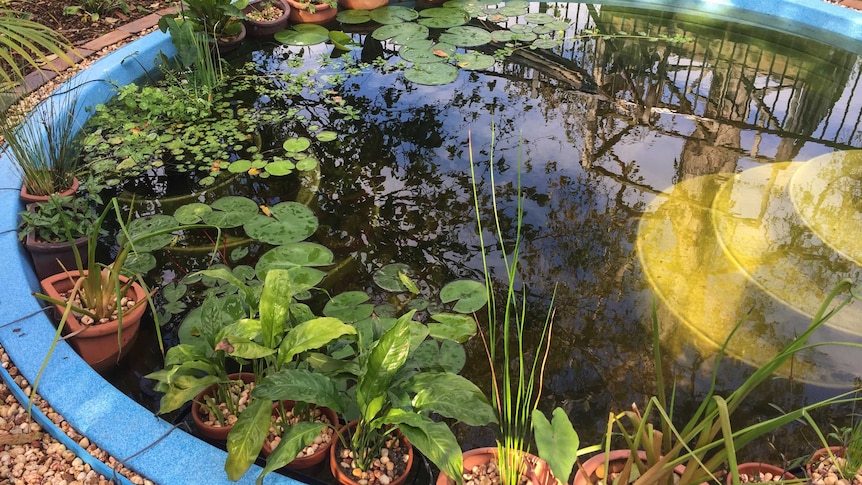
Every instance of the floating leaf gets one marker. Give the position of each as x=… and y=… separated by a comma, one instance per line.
x=470, y=295
x=545, y=43
x=521, y=28
x=388, y=279
x=466, y=36
x=326, y=136
x=140, y=263
x=497, y=17
x=231, y=211
x=443, y=17
x=306, y=164
x=474, y=61
x=502, y=35
x=239, y=166
x=525, y=37
x=539, y=18
x=404, y=32
x=290, y=222
x=353, y=17
x=341, y=40
x=192, y=213
x=144, y=226
x=281, y=167
x=303, y=34
x=296, y=144
x=431, y=74
x=349, y=306
x=393, y=15
x=429, y=55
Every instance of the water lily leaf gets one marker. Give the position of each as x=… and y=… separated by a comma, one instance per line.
x=521, y=28
x=457, y=327
x=303, y=34
x=388, y=278
x=452, y=357
x=306, y=164
x=525, y=37
x=239, y=166
x=402, y=33
x=139, y=263
x=231, y=211
x=470, y=295
x=174, y=291
x=297, y=144
x=545, y=43
x=417, y=44
x=393, y=15
x=430, y=55
x=140, y=231
x=497, y=17
x=281, y=167
x=353, y=17
x=341, y=40
x=431, y=74
x=349, y=306
x=474, y=61
x=443, y=17
x=502, y=35
x=466, y=36
x=192, y=213
x=292, y=256
x=473, y=8
x=514, y=9
x=290, y=222
x=539, y=18
x=326, y=136
x=558, y=25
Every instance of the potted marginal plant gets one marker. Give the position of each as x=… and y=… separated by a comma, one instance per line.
x=699, y=449
x=266, y=17
x=43, y=231
x=99, y=306
x=219, y=20
x=394, y=378
x=516, y=390
x=312, y=11
x=842, y=461
x=44, y=146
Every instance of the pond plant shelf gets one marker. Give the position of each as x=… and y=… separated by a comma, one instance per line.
x=126, y=430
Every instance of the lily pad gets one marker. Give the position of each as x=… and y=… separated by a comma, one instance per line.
x=525, y=37
x=280, y=167
x=401, y=33
x=388, y=277
x=192, y=213
x=306, y=164
x=539, y=18
x=502, y=36
x=521, y=28
x=298, y=144
x=469, y=295
x=239, y=166
x=443, y=17
x=303, y=34
x=290, y=222
x=474, y=61
x=341, y=40
x=349, y=306
x=139, y=263
x=473, y=8
x=466, y=36
x=293, y=255
x=496, y=17
x=545, y=43
x=231, y=211
x=429, y=55
x=138, y=228
x=353, y=17
x=326, y=136
x=393, y=15
x=431, y=74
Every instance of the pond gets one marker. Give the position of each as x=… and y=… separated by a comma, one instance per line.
x=652, y=170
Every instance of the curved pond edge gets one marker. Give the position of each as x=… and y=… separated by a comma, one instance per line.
x=144, y=442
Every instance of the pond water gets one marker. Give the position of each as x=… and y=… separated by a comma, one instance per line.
x=651, y=171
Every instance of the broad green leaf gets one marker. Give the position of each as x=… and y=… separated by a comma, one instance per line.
x=144, y=232
x=303, y=34
x=326, y=136
x=452, y=356
x=239, y=166
x=453, y=326
x=290, y=222
x=306, y=164
x=545, y=43
x=296, y=144
x=191, y=213
x=300, y=385
x=387, y=356
x=466, y=36
x=539, y=18
x=388, y=278
x=433, y=439
x=349, y=306
x=293, y=255
x=557, y=441
x=470, y=295
x=452, y=396
x=475, y=61
x=443, y=17
x=353, y=17
x=393, y=15
x=246, y=438
x=280, y=168
x=293, y=440
x=275, y=306
x=183, y=390
x=230, y=211
x=312, y=334
x=431, y=74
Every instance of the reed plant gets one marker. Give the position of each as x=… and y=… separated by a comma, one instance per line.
x=43, y=143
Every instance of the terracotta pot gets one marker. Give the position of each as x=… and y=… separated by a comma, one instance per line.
x=362, y=4
x=97, y=344
x=337, y=472
x=305, y=462
x=227, y=46
x=819, y=456
x=265, y=28
x=49, y=258
x=481, y=456
x=323, y=13
x=215, y=432
x=28, y=198
x=754, y=469
x=588, y=472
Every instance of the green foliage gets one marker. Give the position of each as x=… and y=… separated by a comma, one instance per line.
x=706, y=443
x=43, y=142
x=94, y=10
x=31, y=42
x=218, y=19
x=50, y=220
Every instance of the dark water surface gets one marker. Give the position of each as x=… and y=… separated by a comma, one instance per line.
x=604, y=129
